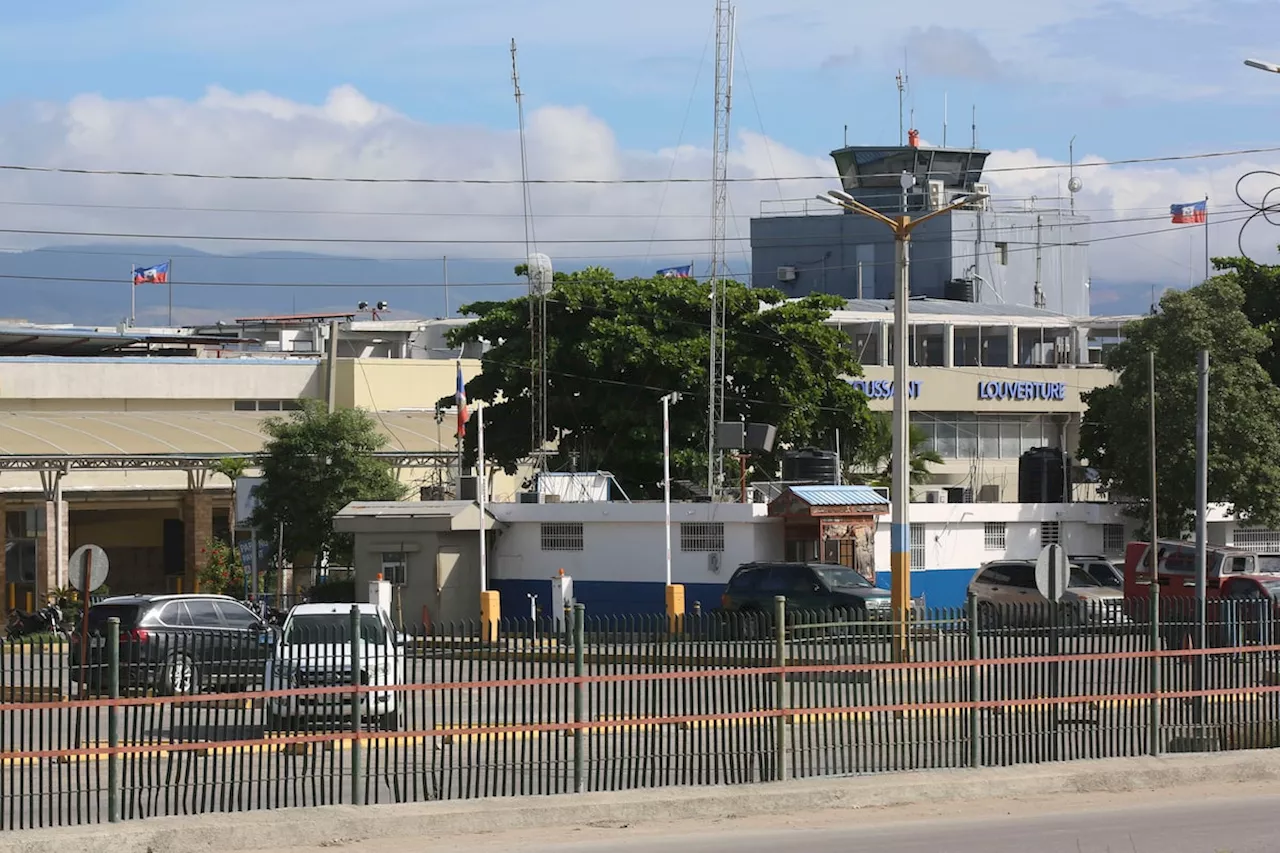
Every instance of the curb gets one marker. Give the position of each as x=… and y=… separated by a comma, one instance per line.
x=326, y=826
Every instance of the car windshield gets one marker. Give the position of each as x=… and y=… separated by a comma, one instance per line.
x=1079, y=577
x=310, y=628
x=840, y=577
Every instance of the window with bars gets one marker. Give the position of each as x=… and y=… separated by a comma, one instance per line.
x=394, y=564
x=995, y=535
x=562, y=536
x=1256, y=538
x=917, y=546
x=704, y=536
x=1113, y=538
x=1051, y=533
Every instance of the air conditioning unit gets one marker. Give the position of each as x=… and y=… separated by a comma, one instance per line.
x=935, y=496
x=937, y=195
x=982, y=204
x=786, y=273
x=989, y=494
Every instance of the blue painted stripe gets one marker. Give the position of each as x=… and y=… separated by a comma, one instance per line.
x=900, y=537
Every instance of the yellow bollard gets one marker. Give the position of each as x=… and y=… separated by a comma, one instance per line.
x=675, y=608
x=31, y=602
x=490, y=615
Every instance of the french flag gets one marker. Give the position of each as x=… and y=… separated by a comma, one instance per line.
x=460, y=398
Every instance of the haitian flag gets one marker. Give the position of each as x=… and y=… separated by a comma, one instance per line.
x=158, y=274
x=676, y=272
x=1187, y=214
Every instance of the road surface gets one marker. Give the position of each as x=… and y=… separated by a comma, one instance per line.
x=1196, y=820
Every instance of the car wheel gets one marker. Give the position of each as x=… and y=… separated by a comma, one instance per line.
x=390, y=721
x=179, y=677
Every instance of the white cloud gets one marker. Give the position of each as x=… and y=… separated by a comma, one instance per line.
x=350, y=135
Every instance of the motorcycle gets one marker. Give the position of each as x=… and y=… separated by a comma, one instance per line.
x=47, y=620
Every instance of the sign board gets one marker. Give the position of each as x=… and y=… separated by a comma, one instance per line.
x=92, y=558
x=246, y=502
x=1052, y=572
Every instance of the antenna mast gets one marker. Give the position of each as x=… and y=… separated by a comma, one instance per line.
x=719, y=206
x=537, y=299
x=902, y=86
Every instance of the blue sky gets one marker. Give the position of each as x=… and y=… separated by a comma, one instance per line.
x=422, y=87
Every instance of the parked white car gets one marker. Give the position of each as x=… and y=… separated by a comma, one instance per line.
x=314, y=650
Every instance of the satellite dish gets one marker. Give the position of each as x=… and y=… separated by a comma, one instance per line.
x=540, y=274
x=1075, y=185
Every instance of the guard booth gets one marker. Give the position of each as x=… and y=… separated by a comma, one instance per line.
x=831, y=524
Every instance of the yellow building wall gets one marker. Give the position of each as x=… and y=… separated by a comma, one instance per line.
x=389, y=385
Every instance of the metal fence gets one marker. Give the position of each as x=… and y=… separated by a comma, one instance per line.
x=142, y=724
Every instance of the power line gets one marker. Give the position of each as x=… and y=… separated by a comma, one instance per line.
x=326, y=179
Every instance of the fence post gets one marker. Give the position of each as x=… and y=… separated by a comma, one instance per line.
x=579, y=699
x=357, y=721
x=113, y=716
x=1153, y=721
x=971, y=609
x=781, y=699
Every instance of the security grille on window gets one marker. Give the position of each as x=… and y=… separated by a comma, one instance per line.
x=702, y=536
x=994, y=535
x=1256, y=539
x=1051, y=533
x=394, y=564
x=562, y=536
x=917, y=546
x=1113, y=538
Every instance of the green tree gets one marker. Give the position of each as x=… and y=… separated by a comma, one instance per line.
x=615, y=347
x=1261, y=286
x=873, y=462
x=1244, y=437
x=313, y=464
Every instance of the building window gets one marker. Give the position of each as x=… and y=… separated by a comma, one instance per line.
x=394, y=565
x=1050, y=533
x=562, y=536
x=994, y=535
x=1002, y=254
x=268, y=405
x=917, y=546
x=1113, y=539
x=246, y=405
x=702, y=536
x=1256, y=539
x=291, y=405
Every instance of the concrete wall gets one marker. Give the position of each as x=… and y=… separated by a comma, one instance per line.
x=824, y=251
x=428, y=596
x=389, y=385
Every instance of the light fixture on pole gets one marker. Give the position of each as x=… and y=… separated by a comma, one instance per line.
x=667, y=400
x=1263, y=66
x=900, y=526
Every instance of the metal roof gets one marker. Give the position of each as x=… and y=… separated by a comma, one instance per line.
x=87, y=341
x=160, y=433
x=838, y=495
x=298, y=318
x=954, y=307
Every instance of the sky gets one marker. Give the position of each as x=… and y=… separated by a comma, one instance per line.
x=422, y=89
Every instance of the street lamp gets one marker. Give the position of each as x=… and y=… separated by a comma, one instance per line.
x=667, y=400
x=1263, y=66
x=900, y=526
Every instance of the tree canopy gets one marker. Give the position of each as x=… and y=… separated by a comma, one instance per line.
x=616, y=346
x=1244, y=435
x=313, y=464
x=872, y=462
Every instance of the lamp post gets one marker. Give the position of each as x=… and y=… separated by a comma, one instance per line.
x=900, y=525
x=1263, y=66
x=667, y=400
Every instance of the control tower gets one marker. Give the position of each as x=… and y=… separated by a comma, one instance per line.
x=1030, y=252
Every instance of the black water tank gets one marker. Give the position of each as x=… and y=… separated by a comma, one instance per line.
x=959, y=290
x=810, y=465
x=1042, y=476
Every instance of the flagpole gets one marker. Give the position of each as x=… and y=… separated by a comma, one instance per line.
x=1206, y=236
x=169, y=279
x=133, y=293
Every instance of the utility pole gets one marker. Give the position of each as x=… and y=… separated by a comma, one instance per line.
x=719, y=206
x=1202, y=509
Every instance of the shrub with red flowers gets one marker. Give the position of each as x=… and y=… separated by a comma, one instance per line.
x=223, y=573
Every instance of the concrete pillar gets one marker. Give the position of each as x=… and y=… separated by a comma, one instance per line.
x=51, y=551
x=1013, y=346
x=197, y=529
x=882, y=348
x=948, y=345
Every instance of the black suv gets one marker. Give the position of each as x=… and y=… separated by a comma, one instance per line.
x=177, y=644
x=807, y=586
